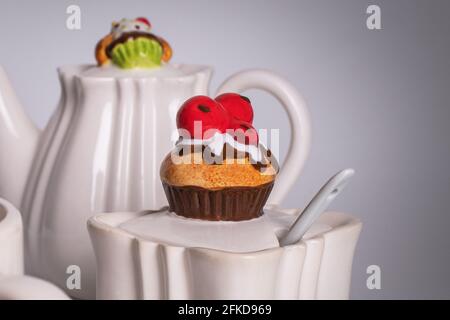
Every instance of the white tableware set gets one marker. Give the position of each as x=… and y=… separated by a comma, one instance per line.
x=97, y=163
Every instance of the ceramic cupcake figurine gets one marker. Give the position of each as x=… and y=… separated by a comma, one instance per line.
x=218, y=169
x=130, y=44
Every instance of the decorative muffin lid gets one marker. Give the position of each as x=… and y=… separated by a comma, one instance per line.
x=219, y=170
x=131, y=44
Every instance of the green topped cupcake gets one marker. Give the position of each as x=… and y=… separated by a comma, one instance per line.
x=130, y=44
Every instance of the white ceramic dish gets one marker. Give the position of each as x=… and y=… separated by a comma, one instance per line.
x=13, y=284
x=29, y=288
x=11, y=240
x=131, y=264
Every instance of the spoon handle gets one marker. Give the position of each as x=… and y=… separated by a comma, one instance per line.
x=318, y=204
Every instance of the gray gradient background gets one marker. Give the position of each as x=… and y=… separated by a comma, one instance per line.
x=379, y=102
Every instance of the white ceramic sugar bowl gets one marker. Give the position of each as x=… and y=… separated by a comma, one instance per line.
x=162, y=256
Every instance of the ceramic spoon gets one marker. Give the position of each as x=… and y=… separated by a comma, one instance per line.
x=318, y=204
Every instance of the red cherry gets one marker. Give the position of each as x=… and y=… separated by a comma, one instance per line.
x=201, y=116
x=244, y=132
x=144, y=21
x=239, y=106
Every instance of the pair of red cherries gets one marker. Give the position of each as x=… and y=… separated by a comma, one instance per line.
x=227, y=113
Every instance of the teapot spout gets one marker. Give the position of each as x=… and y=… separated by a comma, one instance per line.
x=18, y=140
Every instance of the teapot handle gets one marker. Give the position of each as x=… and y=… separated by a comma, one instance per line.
x=299, y=119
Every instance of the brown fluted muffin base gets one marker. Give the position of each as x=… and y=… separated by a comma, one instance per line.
x=227, y=204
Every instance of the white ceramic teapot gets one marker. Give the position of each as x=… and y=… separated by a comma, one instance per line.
x=102, y=149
